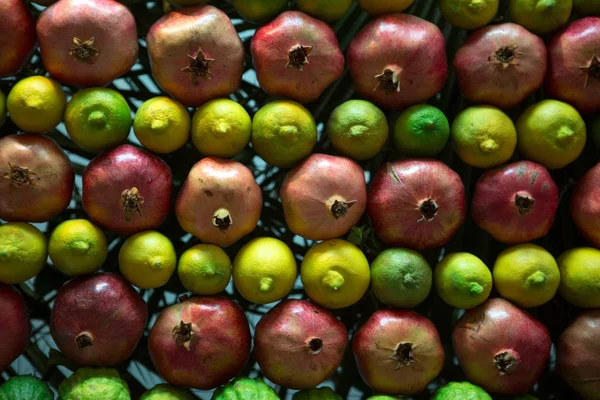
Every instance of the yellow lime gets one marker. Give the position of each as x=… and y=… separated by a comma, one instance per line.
x=484, y=136
x=147, y=259
x=540, y=16
x=469, y=14
x=421, y=131
x=162, y=125
x=259, y=10
x=23, y=252
x=77, y=247
x=36, y=104
x=384, y=6
x=283, y=133
x=335, y=273
x=221, y=128
x=2, y=108
x=264, y=270
x=587, y=7
x=462, y=280
x=327, y=10
x=204, y=269
x=527, y=275
x=551, y=133
x=580, y=277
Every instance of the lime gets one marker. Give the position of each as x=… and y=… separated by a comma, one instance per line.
x=221, y=128
x=204, y=269
x=2, y=108
x=77, y=247
x=469, y=14
x=551, y=133
x=357, y=128
x=283, y=133
x=36, y=104
x=384, y=6
x=23, y=252
x=462, y=280
x=587, y=7
x=421, y=131
x=162, y=125
x=259, y=10
x=166, y=392
x=25, y=387
x=540, y=16
x=580, y=277
x=400, y=278
x=461, y=391
x=94, y=384
x=97, y=119
x=327, y=10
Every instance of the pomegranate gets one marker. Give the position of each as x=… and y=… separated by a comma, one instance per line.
x=127, y=190
x=515, y=203
x=500, y=65
x=324, y=196
x=201, y=343
x=398, y=60
x=196, y=54
x=416, y=203
x=87, y=42
x=574, y=65
x=296, y=56
x=17, y=41
x=398, y=351
x=501, y=347
x=15, y=328
x=578, y=355
x=585, y=205
x=38, y=178
x=98, y=319
x=230, y=200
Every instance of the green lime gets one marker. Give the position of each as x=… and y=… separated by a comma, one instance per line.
x=327, y=10
x=162, y=125
x=358, y=128
x=259, y=10
x=94, y=384
x=2, y=108
x=166, y=392
x=462, y=280
x=587, y=7
x=461, y=391
x=469, y=14
x=580, y=277
x=25, y=387
x=204, y=269
x=421, y=131
x=540, y=16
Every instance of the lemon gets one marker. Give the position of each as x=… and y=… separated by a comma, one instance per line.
x=259, y=10
x=384, y=6
x=540, y=16
x=335, y=273
x=527, y=275
x=221, y=128
x=23, y=251
x=77, y=247
x=97, y=119
x=421, y=131
x=469, y=14
x=580, y=277
x=36, y=104
x=358, y=129
x=283, y=133
x=162, y=125
x=462, y=280
x=147, y=259
x=484, y=136
x=587, y=7
x=551, y=133
x=204, y=269
x=2, y=108
x=264, y=270
x=327, y=10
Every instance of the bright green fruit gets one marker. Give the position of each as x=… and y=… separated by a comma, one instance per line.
x=421, y=131
x=462, y=280
x=461, y=391
x=245, y=389
x=166, y=392
x=324, y=393
x=94, y=384
x=25, y=388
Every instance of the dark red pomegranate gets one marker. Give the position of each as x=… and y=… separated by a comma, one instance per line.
x=98, y=320
x=585, y=205
x=17, y=41
x=36, y=178
x=201, y=343
x=398, y=60
x=15, y=328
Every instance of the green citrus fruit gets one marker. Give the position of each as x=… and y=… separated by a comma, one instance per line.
x=462, y=280
x=259, y=10
x=25, y=387
x=23, y=252
x=327, y=10
x=421, y=131
x=540, y=16
x=162, y=125
x=469, y=14
x=580, y=277
x=204, y=269
x=166, y=392
x=587, y=7
x=94, y=384
x=461, y=391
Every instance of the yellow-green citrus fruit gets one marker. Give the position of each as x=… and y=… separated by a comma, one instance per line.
x=166, y=392
x=259, y=10
x=540, y=16
x=421, y=131
x=162, y=125
x=580, y=277
x=204, y=269
x=23, y=252
x=94, y=384
x=462, y=280
x=461, y=391
x=469, y=14
x=327, y=10
x=384, y=6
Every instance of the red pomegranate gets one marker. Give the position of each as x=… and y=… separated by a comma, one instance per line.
x=201, y=343
x=219, y=202
x=127, y=190
x=324, y=196
x=17, y=41
x=299, y=345
x=398, y=352
x=585, y=205
x=296, y=56
x=196, y=54
x=15, y=328
x=416, y=203
x=500, y=65
x=574, y=65
x=398, y=60
x=38, y=178
x=500, y=347
x=87, y=42
x=98, y=319
x=515, y=203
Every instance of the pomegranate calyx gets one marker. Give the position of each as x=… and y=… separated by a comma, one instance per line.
x=388, y=82
x=524, y=204
x=183, y=333
x=506, y=56
x=403, y=355
x=199, y=66
x=505, y=363
x=84, y=339
x=222, y=219
x=84, y=51
x=132, y=202
x=428, y=209
x=20, y=176
x=340, y=208
x=591, y=70
x=314, y=345
x=298, y=57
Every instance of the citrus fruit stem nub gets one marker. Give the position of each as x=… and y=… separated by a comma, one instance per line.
x=182, y=333
x=340, y=208
x=505, y=362
x=475, y=288
x=33, y=103
x=209, y=271
x=403, y=355
x=537, y=278
x=545, y=4
x=410, y=280
x=524, y=203
x=333, y=280
x=565, y=135
x=489, y=146
x=265, y=284
x=428, y=210
x=388, y=81
x=221, y=129
x=159, y=125
x=315, y=346
x=222, y=219
x=80, y=246
x=97, y=119
x=156, y=264
x=476, y=5
x=358, y=130
x=298, y=57
x=84, y=339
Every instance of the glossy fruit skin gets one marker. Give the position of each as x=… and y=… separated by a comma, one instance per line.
x=283, y=342
x=569, y=50
x=123, y=168
x=585, y=205
x=178, y=36
x=244, y=389
x=15, y=329
x=112, y=26
x=271, y=46
x=375, y=347
x=398, y=192
x=25, y=387
x=411, y=47
x=102, y=307
x=219, y=346
x=223, y=188
x=496, y=328
x=515, y=203
x=17, y=41
x=482, y=77
x=36, y=200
